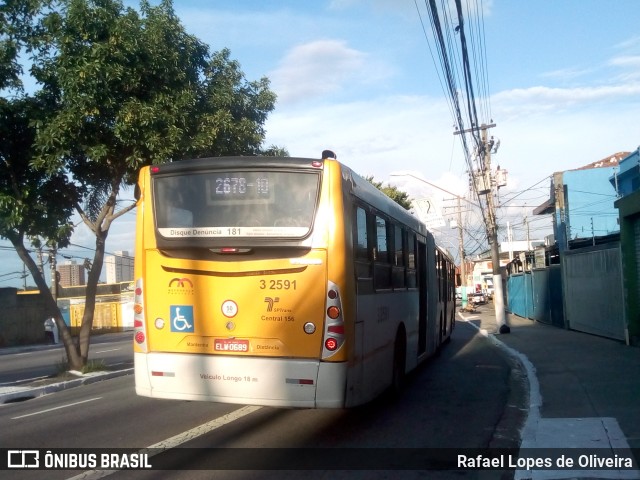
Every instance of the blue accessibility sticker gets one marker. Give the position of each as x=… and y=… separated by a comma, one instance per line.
x=182, y=318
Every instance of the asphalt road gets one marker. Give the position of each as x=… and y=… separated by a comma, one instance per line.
x=470, y=396
x=29, y=364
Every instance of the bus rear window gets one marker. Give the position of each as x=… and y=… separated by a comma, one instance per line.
x=236, y=204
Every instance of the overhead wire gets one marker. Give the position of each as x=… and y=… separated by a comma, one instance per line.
x=424, y=31
x=447, y=66
x=460, y=55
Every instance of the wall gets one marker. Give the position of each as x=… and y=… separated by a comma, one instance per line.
x=537, y=295
x=592, y=285
x=629, y=208
x=23, y=315
x=22, y=319
x=113, y=311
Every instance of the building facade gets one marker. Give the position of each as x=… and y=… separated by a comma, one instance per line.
x=587, y=237
x=581, y=201
x=626, y=182
x=119, y=267
x=71, y=274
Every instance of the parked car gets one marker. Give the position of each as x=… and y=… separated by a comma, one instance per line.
x=477, y=298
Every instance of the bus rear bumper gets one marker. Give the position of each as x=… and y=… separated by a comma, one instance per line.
x=272, y=382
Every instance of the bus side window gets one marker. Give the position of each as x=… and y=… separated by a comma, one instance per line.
x=411, y=260
x=363, y=250
x=399, y=250
x=381, y=240
x=438, y=275
x=382, y=264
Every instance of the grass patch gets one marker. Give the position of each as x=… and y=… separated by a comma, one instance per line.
x=63, y=367
x=94, y=366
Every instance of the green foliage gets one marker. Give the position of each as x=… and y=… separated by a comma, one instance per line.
x=398, y=196
x=233, y=110
x=18, y=30
x=275, y=151
x=122, y=83
x=120, y=89
x=137, y=89
x=32, y=202
x=96, y=365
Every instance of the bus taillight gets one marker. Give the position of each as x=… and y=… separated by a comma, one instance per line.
x=338, y=329
x=331, y=344
x=333, y=322
x=140, y=335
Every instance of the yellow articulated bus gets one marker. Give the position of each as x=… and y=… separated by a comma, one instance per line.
x=287, y=282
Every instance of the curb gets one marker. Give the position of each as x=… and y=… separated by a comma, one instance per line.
x=26, y=393
x=534, y=402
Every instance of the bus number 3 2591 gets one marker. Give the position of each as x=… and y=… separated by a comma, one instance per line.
x=278, y=284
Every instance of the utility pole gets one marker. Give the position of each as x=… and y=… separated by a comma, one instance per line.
x=463, y=267
x=54, y=273
x=40, y=260
x=510, y=240
x=492, y=225
x=498, y=297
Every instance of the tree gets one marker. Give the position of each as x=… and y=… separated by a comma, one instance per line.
x=398, y=196
x=18, y=27
x=130, y=89
x=275, y=151
x=34, y=204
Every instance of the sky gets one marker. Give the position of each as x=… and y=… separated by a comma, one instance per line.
x=562, y=81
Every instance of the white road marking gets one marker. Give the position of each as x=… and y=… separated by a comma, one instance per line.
x=176, y=440
x=110, y=350
x=56, y=408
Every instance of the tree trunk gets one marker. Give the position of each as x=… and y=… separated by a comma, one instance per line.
x=100, y=228
x=90, y=296
x=51, y=308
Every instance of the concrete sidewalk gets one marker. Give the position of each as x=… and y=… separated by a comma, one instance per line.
x=584, y=389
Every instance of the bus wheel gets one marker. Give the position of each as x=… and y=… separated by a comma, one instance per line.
x=453, y=324
x=399, y=362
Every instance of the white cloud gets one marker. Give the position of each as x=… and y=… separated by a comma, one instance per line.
x=567, y=73
x=401, y=134
x=532, y=149
x=626, y=61
x=528, y=101
x=631, y=43
x=373, y=137
x=321, y=68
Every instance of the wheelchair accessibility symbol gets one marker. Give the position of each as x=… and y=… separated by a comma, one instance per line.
x=182, y=318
